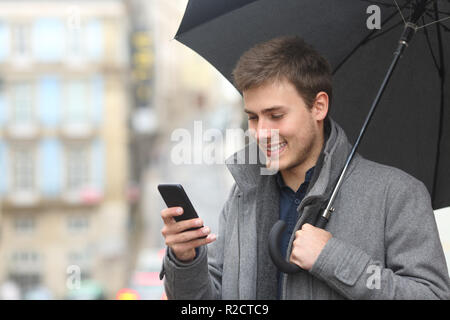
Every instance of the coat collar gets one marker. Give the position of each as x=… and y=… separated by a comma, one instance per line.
x=328, y=168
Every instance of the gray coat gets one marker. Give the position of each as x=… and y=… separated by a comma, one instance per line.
x=385, y=242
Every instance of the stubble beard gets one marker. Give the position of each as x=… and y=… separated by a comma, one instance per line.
x=300, y=157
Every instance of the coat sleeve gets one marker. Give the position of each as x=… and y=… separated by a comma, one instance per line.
x=202, y=277
x=414, y=267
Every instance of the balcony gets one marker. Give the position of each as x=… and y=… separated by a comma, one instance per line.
x=77, y=131
x=23, y=131
x=85, y=196
x=23, y=199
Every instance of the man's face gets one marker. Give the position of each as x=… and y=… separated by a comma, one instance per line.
x=277, y=105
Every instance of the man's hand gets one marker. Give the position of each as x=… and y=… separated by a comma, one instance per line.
x=179, y=239
x=309, y=242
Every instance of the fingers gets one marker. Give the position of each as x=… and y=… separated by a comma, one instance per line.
x=296, y=247
x=303, y=230
x=186, y=236
x=168, y=214
x=178, y=232
x=185, y=251
x=179, y=236
x=179, y=227
x=191, y=244
x=307, y=226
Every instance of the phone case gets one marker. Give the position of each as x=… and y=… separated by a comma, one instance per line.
x=175, y=196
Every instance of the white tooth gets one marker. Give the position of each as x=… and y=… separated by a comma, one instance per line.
x=277, y=147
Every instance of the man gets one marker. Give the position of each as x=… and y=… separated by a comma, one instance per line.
x=381, y=243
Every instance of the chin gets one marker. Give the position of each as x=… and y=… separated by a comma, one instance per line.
x=281, y=165
x=288, y=164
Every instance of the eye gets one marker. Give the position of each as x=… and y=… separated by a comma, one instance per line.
x=252, y=118
x=277, y=116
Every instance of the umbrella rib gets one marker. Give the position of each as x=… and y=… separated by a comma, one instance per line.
x=400, y=11
x=437, y=21
x=362, y=42
x=177, y=35
x=386, y=5
x=443, y=26
x=434, y=10
x=385, y=31
x=441, y=111
x=427, y=37
x=371, y=35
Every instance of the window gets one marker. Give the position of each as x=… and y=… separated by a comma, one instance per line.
x=23, y=169
x=77, y=224
x=94, y=37
x=82, y=259
x=85, y=41
x=77, y=163
x=48, y=39
x=4, y=41
x=74, y=42
x=77, y=107
x=21, y=40
x=24, y=224
x=26, y=281
x=25, y=258
x=49, y=99
x=22, y=103
x=25, y=269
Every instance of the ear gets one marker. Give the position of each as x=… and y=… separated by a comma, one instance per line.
x=320, y=106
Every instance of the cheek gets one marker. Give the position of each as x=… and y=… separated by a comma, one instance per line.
x=252, y=129
x=288, y=128
x=292, y=133
x=298, y=139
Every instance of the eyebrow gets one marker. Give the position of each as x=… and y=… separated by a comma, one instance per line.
x=267, y=110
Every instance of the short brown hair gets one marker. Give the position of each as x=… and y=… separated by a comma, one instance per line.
x=290, y=58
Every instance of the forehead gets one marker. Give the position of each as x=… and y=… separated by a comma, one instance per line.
x=271, y=97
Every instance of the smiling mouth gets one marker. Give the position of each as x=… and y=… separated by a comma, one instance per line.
x=274, y=150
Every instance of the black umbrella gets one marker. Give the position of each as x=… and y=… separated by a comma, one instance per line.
x=411, y=129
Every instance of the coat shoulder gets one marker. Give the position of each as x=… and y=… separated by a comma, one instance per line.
x=376, y=188
x=377, y=173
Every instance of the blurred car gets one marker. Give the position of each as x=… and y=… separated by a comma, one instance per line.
x=38, y=293
x=145, y=279
x=88, y=290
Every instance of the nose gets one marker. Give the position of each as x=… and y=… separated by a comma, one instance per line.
x=261, y=131
x=265, y=133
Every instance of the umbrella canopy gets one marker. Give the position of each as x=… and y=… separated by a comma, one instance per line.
x=411, y=128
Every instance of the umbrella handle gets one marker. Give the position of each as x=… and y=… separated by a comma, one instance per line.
x=321, y=222
x=274, y=245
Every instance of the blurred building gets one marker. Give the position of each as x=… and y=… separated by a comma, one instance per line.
x=90, y=93
x=63, y=144
x=171, y=87
x=185, y=88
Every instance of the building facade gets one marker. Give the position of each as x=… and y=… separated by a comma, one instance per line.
x=63, y=145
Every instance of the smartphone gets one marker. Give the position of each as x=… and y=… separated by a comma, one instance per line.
x=175, y=196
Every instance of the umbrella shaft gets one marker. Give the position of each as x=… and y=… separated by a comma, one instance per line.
x=406, y=37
